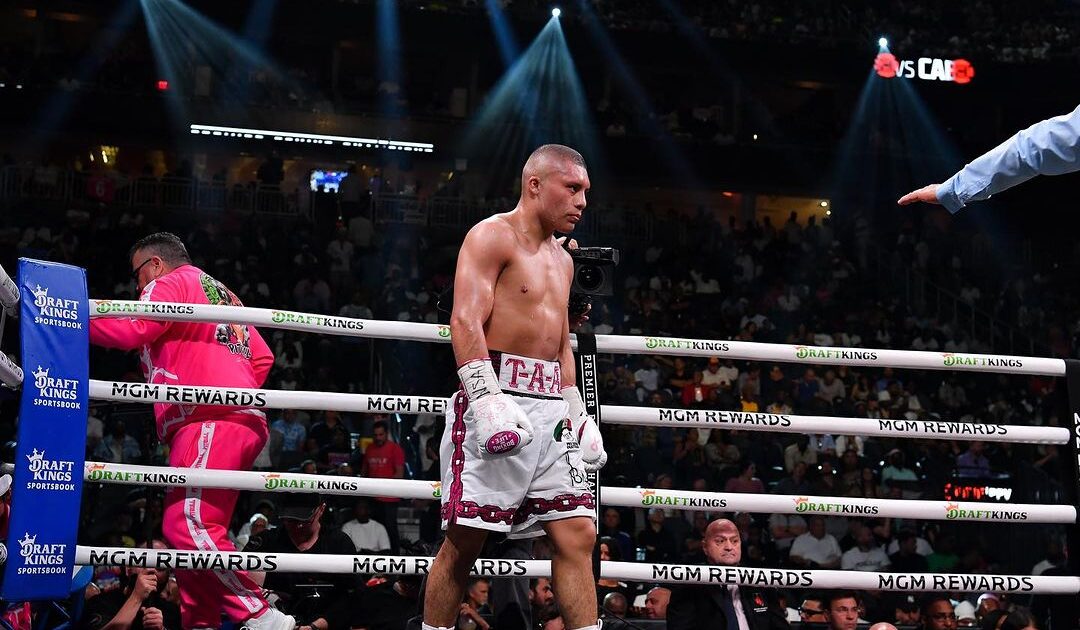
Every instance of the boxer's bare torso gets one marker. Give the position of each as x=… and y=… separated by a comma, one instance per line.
x=531, y=288
x=513, y=280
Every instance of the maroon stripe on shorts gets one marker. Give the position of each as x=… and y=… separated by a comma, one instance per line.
x=457, y=463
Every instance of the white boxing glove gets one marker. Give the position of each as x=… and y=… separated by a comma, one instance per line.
x=588, y=434
x=500, y=424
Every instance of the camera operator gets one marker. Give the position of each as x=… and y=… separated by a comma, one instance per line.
x=318, y=601
x=139, y=605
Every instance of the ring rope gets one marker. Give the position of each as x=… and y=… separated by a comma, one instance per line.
x=10, y=373
x=624, y=344
x=264, y=398
x=128, y=474
x=630, y=571
x=609, y=414
x=9, y=293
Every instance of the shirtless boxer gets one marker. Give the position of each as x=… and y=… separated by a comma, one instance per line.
x=518, y=440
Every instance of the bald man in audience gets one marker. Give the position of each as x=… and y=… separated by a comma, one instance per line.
x=883, y=626
x=616, y=604
x=656, y=602
x=724, y=607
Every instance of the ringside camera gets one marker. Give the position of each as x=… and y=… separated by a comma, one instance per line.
x=594, y=270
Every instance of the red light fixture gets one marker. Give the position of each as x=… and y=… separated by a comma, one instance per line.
x=962, y=71
x=162, y=85
x=886, y=65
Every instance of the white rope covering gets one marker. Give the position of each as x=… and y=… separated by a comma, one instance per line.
x=129, y=474
x=614, y=496
x=9, y=293
x=629, y=571
x=623, y=344
x=264, y=398
x=867, y=427
x=640, y=416
x=10, y=374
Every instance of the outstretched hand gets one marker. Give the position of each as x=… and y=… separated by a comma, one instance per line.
x=926, y=194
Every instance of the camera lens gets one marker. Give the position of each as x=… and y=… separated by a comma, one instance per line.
x=590, y=277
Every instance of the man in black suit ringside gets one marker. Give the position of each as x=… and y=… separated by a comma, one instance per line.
x=695, y=606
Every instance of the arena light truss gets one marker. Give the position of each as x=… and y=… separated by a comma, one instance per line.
x=311, y=138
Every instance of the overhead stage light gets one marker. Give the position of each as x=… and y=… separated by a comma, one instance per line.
x=556, y=12
x=882, y=42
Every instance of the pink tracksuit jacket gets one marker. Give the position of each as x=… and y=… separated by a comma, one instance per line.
x=200, y=436
x=185, y=353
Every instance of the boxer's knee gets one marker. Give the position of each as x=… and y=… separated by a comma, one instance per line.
x=461, y=547
x=572, y=537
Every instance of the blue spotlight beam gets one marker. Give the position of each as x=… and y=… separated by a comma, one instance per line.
x=260, y=22
x=388, y=43
x=672, y=156
x=509, y=49
x=184, y=39
x=693, y=34
x=539, y=100
x=59, y=105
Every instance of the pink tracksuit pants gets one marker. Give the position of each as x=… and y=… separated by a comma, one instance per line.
x=198, y=518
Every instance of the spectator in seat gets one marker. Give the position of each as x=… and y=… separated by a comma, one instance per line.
x=799, y=451
x=656, y=602
x=972, y=462
x=384, y=459
x=140, y=604
x=816, y=549
x=842, y=610
x=745, y=481
x=610, y=526
x=316, y=600
x=866, y=555
x=937, y=613
x=369, y=536
x=906, y=559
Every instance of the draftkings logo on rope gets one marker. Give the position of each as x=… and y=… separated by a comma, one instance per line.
x=144, y=308
x=278, y=481
x=804, y=504
x=953, y=511
x=845, y=354
x=55, y=311
x=949, y=359
x=324, y=321
x=686, y=344
x=650, y=497
x=55, y=391
x=50, y=474
x=40, y=558
x=887, y=66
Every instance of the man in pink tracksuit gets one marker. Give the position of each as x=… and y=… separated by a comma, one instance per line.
x=199, y=436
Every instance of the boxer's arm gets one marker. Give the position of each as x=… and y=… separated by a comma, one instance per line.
x=483, y=255
x=567, y=368
x=128, y=333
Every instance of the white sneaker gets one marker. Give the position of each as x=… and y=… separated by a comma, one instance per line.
x=272, y=619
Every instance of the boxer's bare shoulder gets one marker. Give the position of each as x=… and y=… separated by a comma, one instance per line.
x=526, y=282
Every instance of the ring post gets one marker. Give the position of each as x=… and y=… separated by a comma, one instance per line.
x=590, y=394
x=54, y=328
x=1072, y=483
